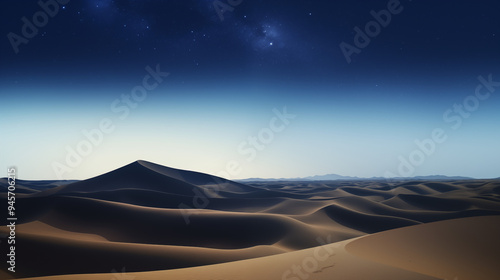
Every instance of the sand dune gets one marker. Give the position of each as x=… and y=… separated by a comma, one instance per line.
x=51, y=251
x=295, y=265
x=465, y=248
x=147, y=217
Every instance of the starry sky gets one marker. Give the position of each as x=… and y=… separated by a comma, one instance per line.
x=251, y=88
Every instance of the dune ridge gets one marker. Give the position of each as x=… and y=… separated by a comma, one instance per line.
x=145, y=216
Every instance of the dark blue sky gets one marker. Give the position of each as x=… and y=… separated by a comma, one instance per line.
x=229, y=70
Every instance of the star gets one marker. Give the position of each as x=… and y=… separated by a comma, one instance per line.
x=264, y=36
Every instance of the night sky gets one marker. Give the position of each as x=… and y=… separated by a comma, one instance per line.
x=254, y=88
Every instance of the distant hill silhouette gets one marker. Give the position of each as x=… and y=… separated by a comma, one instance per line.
x=334, y=177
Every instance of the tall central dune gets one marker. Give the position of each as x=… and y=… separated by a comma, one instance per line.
x=132, y=176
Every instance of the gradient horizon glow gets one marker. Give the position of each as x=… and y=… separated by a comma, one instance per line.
x=227, y=77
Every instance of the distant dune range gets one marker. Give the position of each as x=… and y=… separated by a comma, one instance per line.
x=147, y=217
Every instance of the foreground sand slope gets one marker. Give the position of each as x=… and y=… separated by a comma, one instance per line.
x=322, y=263
x=466, y=248
x=44, y=250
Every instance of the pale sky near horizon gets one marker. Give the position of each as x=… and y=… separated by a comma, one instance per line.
x=354, y=139
x=221, y=110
